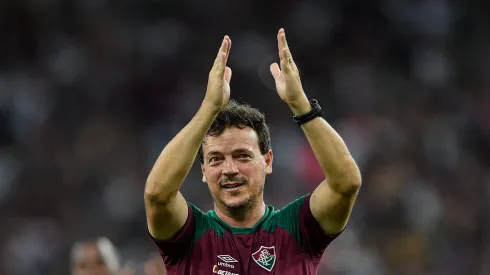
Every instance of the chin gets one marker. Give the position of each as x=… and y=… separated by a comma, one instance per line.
x=238, y=203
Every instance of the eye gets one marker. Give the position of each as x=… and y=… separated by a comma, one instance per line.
x=213, y=159
x=243, y=156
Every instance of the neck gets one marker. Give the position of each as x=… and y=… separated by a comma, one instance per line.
x=242, y=218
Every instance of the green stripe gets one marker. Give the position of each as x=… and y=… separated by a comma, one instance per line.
x=204, y=223
x=287, y=218
x=242, y=230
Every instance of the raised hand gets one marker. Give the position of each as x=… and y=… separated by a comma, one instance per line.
x=288, y=82
x=218, y=90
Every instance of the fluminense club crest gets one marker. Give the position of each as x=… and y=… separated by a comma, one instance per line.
x=265, y=257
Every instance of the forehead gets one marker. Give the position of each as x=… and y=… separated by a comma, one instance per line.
x=231, y=139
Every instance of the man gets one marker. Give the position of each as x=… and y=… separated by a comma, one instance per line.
x=95, y=257
x=242, y=235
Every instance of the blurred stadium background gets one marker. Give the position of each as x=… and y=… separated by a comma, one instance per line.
x=92, y=90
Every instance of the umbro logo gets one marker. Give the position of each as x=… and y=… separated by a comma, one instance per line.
x=227, y=259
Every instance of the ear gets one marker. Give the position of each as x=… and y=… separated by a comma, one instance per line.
x=203, y=176
x=268, y=157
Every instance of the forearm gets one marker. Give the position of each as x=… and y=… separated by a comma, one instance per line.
x=176, y=159
x=339, y=167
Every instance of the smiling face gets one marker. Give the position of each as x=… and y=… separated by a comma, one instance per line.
x=235, y=169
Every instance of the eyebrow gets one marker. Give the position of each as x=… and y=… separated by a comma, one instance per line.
x=212, y=153
x=238, y=150
x=242, y=150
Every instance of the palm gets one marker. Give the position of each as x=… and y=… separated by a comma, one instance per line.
x=288, y=87
x=218, y=92
x=286, y=77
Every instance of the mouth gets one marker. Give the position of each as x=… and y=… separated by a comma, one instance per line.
x=232, y=186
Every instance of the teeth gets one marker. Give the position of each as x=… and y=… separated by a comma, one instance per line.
x=232, y=185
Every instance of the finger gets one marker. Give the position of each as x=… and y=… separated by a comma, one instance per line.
x=275, y=71
x=221, y=57
x=225, y=52
x=281, y=40
x=228, y=74
x=222, y=50
x=228, y=49
x=287, y=63
x=282, y=44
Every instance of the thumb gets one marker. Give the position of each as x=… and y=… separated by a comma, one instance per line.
x=228, y=74
x=275, y=71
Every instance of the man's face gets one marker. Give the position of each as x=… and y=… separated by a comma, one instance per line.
x=88, y=261
x=234, y=167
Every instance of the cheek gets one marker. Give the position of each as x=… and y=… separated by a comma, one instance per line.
x=212, y=176
x=255, y=173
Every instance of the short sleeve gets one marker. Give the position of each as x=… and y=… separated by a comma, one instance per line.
x=313, y=238
x=297, y=219
x=175, y=249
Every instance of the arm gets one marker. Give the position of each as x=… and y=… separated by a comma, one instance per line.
x=332, y=201
x=166, y=208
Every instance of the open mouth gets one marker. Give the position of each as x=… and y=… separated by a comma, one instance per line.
x=232, y=185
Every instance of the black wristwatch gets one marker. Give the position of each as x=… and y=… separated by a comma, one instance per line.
x=316, y=111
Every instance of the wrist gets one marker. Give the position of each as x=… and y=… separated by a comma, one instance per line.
x=316, y=111
x=209, y=108
x=300, y=107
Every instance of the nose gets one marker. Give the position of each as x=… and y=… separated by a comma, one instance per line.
x=230, y=168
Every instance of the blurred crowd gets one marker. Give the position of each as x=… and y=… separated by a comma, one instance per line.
x=92, y=90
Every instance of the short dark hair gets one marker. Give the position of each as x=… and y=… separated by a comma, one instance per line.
x=240, y=115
